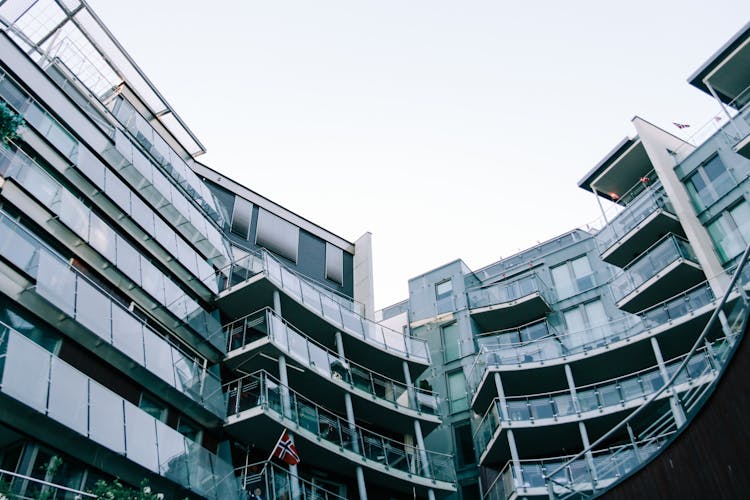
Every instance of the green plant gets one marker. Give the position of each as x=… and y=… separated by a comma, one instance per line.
x=117, y=491
x=10, y=122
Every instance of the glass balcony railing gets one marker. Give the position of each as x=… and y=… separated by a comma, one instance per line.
x=639, y=210
x=164, y=155
x=91, y=410
x=18, y=486
x=315, y=423
x=274, y=481
x=165, y=197
x=669, y=249
x=111, y=321
x=126, y=258
x=342, y=312
x=652, y=422
x=504, y=292
x=19, y=164
x=615, y=393
x=267, y=324
x=608, y=465
x=507, y=350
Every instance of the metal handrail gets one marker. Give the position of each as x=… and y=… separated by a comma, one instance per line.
x=670, y=382
x=76, y=493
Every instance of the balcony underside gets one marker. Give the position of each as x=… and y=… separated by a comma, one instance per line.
x=257, y=293
x=549, y=437
x=510, y=314
x=641, y=237
x=262, y=428
x=329, y=392
x=673, y=279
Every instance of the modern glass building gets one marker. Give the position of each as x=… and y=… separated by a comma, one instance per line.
x=161, y=321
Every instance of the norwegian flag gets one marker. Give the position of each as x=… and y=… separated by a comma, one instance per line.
x=680, y=125
x=285, y=450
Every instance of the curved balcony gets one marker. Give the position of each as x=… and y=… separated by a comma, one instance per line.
x=252, y=280
x=652, y=420
x=676, y=321
x=379, y=397
x=91, y=316
x=666, y=268
x=71, y=411
x=114, y=256
x=510, y=303
x=256, y=415
x=527, y=480
x=603, y=401
x=639, y=225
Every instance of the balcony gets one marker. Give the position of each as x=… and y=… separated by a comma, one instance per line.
x=275, y=481
x=379, y=397
x=603, y=401
x=512, y=303
x=642, y=223
x=676, y=321
x=256, y=415
x=112, y=254
x=665, y=269
x=251, y=281
x=617, y=176
x=48, y=398
x=528, y=479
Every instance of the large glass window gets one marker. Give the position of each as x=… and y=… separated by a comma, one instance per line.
x=277, y=235
x=334, y=264
x=573, y=277
x=731, y=231
x=451, y=342
x=710, y=182
x=585, y=323
x=458, y=397
x=241, y=215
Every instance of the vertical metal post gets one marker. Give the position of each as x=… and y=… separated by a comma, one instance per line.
x=674, y=402
x=572, y=388
x=410, y=386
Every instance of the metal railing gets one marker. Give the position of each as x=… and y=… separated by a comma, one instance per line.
x=652, y=199
x=325, y=362
x=261, y=389
x=559, y=345
x=274, y=482
x=19, y=487
x=508, y=291
x=667, y=423
x=617, y=393
x=661, y=254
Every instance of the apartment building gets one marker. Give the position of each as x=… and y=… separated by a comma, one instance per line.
x=160, y=321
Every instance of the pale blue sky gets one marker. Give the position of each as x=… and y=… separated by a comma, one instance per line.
x=447, y=129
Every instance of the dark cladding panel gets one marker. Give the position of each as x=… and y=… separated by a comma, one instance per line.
x=277, y=235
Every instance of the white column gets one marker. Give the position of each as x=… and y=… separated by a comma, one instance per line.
x=589, y=455
x=511, y=438
x=361, y=483
x=572, y=388
x=674, y=402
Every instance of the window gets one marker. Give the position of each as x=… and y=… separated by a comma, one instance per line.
x=241, y=216
x=451, y=342
x=444, y=296
x=464, y=444
x=153, y=408
x=458, y=398
x=585, y=324
x=710, y=182
x=731, y=231
x=277, y=235
x=334, y=264
x=573, y=277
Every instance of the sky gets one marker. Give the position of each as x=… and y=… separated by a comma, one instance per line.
x=446, y=129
